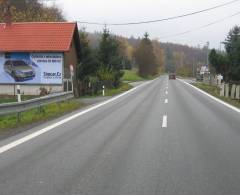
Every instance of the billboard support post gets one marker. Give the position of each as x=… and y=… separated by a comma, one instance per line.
x=14, y=90
x=72, y=82
x=67, y=85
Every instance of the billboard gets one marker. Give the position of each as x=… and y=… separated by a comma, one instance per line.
x=31, y=68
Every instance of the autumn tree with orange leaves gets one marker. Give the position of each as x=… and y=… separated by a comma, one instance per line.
x=30, y=11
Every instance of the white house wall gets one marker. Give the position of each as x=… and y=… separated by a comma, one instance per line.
x=28, y=89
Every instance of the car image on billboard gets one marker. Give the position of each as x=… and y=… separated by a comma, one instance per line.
x=19, y=70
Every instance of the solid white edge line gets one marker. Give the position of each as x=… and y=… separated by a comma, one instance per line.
x=212, y=97
x=57, y=124
x=164, y=122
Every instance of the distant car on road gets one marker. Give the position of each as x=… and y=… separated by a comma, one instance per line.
x=19, y=70
x=172, y=76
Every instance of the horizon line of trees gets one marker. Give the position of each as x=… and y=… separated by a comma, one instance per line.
x=170, y=57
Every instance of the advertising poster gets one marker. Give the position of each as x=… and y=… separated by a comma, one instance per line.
x=31, y=68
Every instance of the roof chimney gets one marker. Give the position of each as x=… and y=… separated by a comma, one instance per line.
x=7, y=14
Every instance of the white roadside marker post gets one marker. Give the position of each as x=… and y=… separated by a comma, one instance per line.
x=233, y=91
x=226, y=90
x=19, y=93
x=222, y=89
x=103, y=90
x=238, y=92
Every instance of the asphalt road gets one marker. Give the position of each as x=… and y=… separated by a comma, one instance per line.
x=122, y=148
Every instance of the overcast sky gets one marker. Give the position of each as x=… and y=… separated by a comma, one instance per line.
x=118, y=11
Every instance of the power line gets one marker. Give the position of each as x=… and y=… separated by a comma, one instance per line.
x=201, y=27
x=159, y=20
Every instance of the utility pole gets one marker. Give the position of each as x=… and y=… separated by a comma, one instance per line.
x=193, y=68
x=222, y=42
x=207, y=54
x=220, y=47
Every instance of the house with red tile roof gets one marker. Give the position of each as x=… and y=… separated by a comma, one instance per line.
x=36, y=55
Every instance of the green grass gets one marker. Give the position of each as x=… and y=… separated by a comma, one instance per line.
x=9, y=99
x=215, y=91
x=132, y=75
x=122, y=88
x=35, y=115
x=184, y=72
x=111, y=92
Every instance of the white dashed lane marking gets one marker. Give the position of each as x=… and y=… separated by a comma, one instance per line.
x=164, y=122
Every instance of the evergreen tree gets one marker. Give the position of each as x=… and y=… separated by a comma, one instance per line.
x=228, y=64
x=145, y=57
x=109, y=57
x=232, y=46
x=88, y=63
x=219, y=62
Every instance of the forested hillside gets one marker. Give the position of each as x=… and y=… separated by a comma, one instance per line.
x=171, y=56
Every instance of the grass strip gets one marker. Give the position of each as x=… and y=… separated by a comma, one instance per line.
x=111, y=91
x=215, y=91
x=10, y=99
x=115, y=91
x=37, y=115
x=132, y=75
